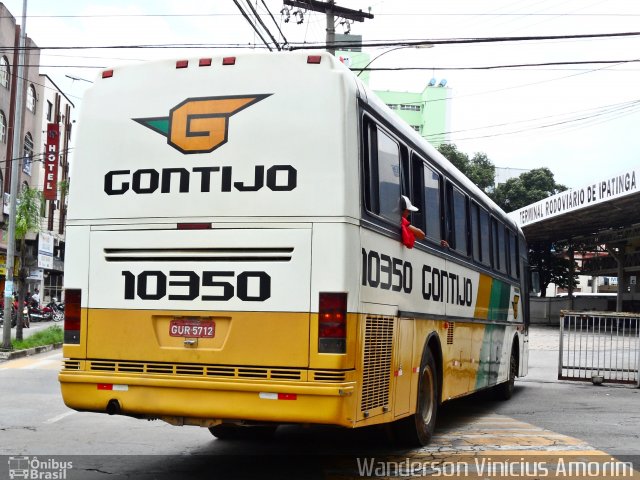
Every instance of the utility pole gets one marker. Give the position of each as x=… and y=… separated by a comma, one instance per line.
x=15, y=161
x=331, y=10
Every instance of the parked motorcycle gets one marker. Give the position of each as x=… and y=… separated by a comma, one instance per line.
x=37, y=314
x=14, y=317
x=54, y=310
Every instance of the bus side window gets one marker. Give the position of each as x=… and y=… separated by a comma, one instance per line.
x=499, y=246
x=382, y=173
x=388, y=177
x=485, y=238
x=458, y=220
x=513, y=255
x=475, y=232
x=432, y=204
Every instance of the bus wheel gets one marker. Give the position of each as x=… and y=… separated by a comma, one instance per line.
x=418, y=428
x=227, y=431
x=504, y=391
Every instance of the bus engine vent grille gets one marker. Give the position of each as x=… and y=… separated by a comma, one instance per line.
x=321, y=376
x=450, y=333
x=71, y=365
x=377, y=356
x=196, y=370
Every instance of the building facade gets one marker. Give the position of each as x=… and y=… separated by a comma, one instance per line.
x=43, y=103
x=54, y=109
x=427, y=112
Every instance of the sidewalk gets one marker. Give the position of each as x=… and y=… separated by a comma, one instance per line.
x=544, y=346
x=27, y=332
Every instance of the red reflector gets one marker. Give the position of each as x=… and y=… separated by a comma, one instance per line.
x=194, y=226
x=205, y=62
x=229, y=61
x=287, y=396
x=314, y=59
x=105, y=386
x=107, y=74
x=72, y=299
x=182, y=63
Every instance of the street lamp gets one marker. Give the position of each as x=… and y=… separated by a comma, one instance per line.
x=422, y=45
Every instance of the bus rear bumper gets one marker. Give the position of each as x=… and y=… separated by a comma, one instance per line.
x=208, y=402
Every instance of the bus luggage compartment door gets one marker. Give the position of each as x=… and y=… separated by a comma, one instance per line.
x=226, y=296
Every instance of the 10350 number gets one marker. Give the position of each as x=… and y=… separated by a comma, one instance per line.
x=211, y=286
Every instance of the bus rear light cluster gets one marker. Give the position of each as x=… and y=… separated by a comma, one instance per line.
x=72, y=300
x=332, y=322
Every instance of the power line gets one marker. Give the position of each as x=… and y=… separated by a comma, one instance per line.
x=255, y=13
x=253, y=25
x=495, y=67
x=323, y=45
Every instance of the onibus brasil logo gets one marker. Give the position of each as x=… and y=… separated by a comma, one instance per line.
x=199, y=125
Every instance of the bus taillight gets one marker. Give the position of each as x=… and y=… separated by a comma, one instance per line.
x=72, y=299
x=332, y=323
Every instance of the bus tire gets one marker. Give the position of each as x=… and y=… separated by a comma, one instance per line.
x=226, y=431
x=417, y=429
x=504, y=391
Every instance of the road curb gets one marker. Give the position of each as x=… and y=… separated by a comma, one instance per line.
x=4, y=356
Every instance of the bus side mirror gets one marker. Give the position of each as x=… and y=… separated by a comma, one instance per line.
x=535, y=282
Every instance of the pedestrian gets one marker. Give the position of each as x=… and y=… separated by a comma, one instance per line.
x=35, y=299
x=409, y=232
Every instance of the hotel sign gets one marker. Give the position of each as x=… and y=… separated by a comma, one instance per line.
x=51, y=162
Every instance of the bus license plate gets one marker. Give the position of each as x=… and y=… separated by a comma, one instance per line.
x=182, y=327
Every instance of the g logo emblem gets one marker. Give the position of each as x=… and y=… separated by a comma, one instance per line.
x=199, y=125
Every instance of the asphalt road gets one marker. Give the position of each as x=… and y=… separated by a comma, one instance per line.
x=545, y=417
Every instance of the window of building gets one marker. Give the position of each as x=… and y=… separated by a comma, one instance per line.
x=3, y=127
x=393, y=106
x=4, y=72
x=411, y=108
x=28, y=154
x=31, y=99
x=49, y=111
x=415, y=127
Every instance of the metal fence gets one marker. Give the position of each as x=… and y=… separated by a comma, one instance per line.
x=600, y=347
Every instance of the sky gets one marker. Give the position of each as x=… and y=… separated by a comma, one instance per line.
x=580, y=121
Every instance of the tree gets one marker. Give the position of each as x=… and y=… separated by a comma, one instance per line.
x=480, y=170
x=553, y=265
x=27, y=220
x=528, y=188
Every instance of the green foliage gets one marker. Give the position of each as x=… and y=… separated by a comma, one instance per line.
x=459, y=159
x=63, y=186
x=528, y=188
x=50, y=336
x=28, y=212
x=479, y=169
x=482, y=172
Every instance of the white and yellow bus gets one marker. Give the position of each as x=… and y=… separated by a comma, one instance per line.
x=234, y=257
